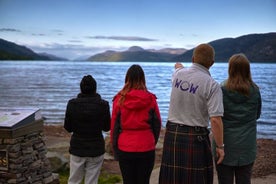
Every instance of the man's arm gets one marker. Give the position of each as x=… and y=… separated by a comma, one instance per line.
x=217, y=130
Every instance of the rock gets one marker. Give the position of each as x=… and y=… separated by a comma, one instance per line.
x=58, y=161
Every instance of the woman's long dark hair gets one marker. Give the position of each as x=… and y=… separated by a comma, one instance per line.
x=135, y=79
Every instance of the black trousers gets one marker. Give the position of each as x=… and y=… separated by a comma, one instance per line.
x=136, y=167
x=242, y=174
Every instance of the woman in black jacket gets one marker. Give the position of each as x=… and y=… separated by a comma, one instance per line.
x=86, y=117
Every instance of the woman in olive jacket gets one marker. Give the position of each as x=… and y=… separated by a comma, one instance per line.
x=242, y=108
x=86, y=117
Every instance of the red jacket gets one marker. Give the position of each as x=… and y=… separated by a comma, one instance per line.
x=136, y=133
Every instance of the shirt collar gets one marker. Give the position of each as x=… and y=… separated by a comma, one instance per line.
x=201, y=68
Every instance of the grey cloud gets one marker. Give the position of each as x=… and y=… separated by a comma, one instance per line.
x=58, y=32
x=123, y=38
x=190, y=46
x=57, y=46
x=70, y=51
x=39, y=34
x=75, y=41
x=9, y=30
x=167, y=45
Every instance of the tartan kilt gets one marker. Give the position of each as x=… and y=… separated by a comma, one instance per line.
x=187, y=156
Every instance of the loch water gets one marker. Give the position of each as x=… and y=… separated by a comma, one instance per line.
x=48, y=85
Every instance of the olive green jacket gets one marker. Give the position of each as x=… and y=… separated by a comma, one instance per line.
x=239, y=124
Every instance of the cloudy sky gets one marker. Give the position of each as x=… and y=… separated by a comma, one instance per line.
x=74, y=28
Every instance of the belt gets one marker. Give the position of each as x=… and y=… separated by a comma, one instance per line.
x=196, y=129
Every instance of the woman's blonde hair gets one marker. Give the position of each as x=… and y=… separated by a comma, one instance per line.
x=239, y=75
x=135, y=79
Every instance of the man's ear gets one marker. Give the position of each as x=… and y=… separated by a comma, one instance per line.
x=211, y=63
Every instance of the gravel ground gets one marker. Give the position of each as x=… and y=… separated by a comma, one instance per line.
x=264, y=171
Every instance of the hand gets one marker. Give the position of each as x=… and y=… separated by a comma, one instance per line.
x=178, y=65
x=220, y=155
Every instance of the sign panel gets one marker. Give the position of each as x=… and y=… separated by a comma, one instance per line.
x=14, y=117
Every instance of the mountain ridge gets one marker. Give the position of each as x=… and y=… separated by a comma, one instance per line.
x=12, y=51
x=136, y=53
x=257, y=47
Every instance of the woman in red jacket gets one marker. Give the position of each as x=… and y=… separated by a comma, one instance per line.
x=135, y=127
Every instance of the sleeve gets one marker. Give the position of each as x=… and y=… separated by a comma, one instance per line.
x=115, y=128
x=155, y=120
x=259, y=105
x=67, y=121
x=215, y=101
x=175, y=72
x=106, y=117
x=113, y=117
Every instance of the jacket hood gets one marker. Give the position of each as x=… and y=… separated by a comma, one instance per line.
x=138, y=99
x=82, y=95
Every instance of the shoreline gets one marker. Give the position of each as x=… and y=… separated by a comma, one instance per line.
x=260, y=134
x=57, y=140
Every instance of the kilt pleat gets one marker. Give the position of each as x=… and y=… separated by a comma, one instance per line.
x=187, y=156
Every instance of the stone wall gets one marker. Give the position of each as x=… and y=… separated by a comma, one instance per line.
x=23, y=160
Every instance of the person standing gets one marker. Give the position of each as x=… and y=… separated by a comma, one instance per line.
x=86, y=117
x=195, y=99
x=242, y=107
x=136, y=111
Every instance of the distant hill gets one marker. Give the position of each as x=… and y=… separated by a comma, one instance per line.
x=53, y=57
x=12, y=51
x=176, y=51
x=257, y=47
x=136, y=53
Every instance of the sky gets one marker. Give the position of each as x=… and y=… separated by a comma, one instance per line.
x=80, y=28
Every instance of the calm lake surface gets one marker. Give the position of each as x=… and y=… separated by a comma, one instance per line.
x=49, y=85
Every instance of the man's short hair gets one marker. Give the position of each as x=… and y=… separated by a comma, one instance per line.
x=204, y=54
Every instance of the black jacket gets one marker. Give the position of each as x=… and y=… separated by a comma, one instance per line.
x=86, y=117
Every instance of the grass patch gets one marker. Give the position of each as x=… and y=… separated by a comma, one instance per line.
x=104, y=178
x=63, y=176
x=109, y=179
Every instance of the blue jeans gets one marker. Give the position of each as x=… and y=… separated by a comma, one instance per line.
x=242, y=174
